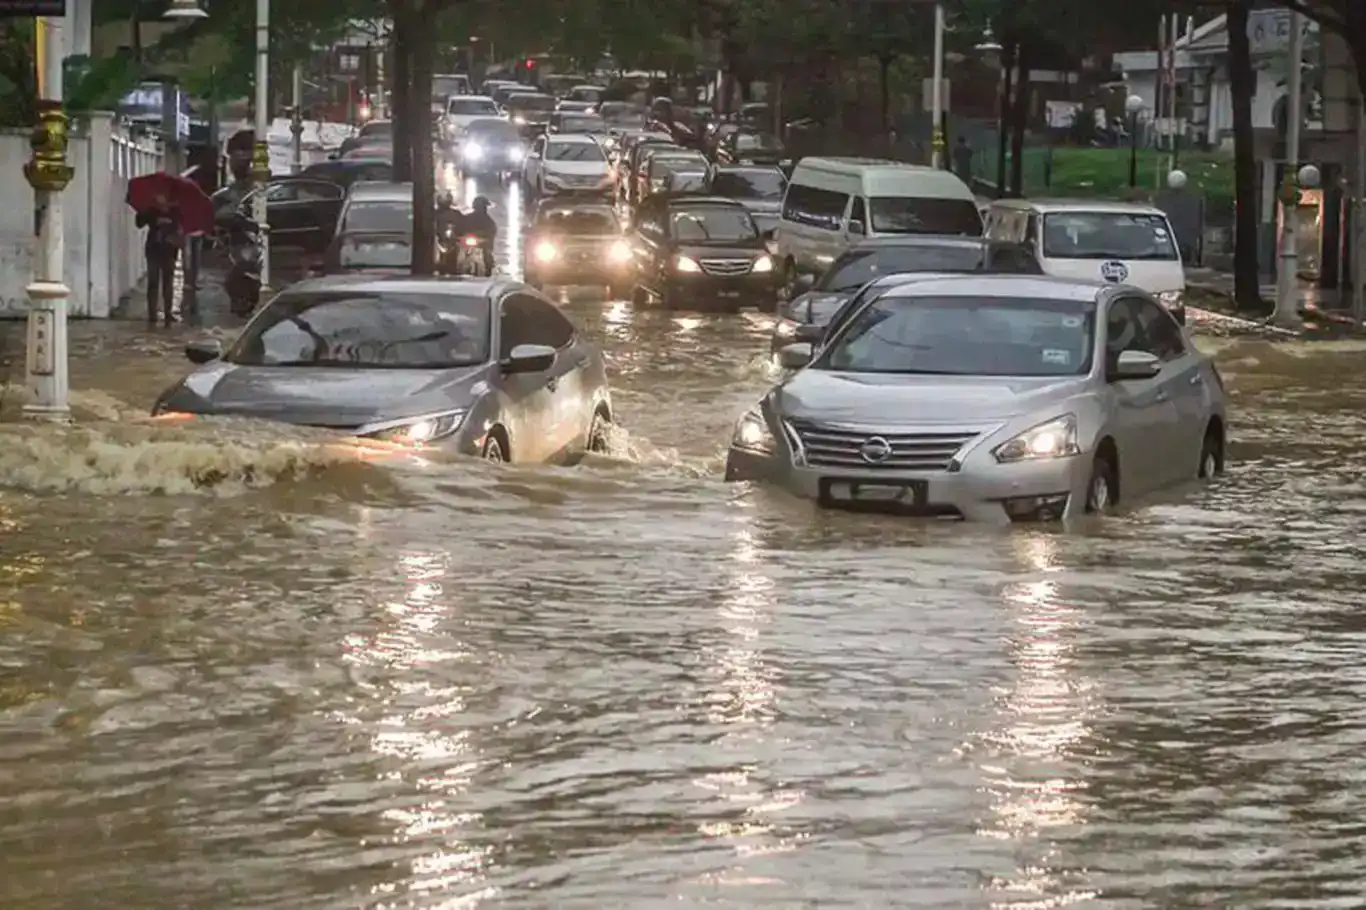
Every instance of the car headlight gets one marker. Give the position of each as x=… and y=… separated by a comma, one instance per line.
x=752, y=434
x=519, y=120
x=763, y=265
x=1172, y=300
x=1055, y=439
x=416, y=431
x=516, y=155
x=619, y=252
x=686, y=264
x=472, y=151
x=786, y=328
x=545, y=251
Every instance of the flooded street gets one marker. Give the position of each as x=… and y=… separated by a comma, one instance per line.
x=242, y=667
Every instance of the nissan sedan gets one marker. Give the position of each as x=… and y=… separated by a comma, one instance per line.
x=990, y=398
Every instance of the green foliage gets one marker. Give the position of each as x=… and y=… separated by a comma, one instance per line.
x=18, y=90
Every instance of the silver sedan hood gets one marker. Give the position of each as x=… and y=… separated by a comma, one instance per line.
x=884, y=399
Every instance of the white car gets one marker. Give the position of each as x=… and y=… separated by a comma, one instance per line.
x=462, y=110
x=568, y=163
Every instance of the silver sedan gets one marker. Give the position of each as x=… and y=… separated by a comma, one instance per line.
x=991, y=398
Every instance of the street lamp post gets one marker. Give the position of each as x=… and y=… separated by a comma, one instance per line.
x=296, y=121
x=260, y=157
x=1287, y=311
x=48, y=173
x=937, y=91
x=1133, y=105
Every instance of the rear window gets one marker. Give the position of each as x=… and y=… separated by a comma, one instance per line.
x=915, y=215
x=531, y=103
x=380, y=217
x=588, y=124
x=712, y=224
x=472, y=107
x=574, y=151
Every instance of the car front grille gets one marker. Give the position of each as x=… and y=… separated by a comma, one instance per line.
x=726, y=266
x=839, y=447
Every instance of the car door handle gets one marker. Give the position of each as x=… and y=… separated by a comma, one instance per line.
x=1197, y=379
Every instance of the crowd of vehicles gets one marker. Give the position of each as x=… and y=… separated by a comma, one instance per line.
x=1019, y=361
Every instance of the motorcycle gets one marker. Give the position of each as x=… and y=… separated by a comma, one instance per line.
x=243, y=282
x=469, y=257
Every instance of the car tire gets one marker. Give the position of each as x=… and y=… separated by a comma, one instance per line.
x=787, y=284
x=599, y=435
x=1211, y=455
x=1101, y=488
x=493, y=450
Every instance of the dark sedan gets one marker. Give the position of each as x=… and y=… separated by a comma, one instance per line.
x=759, y=189
x=690, y=249
x=806, y=316
x=482, y=367
x=301, y=211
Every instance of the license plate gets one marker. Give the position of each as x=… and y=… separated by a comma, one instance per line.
x=911, y=494
x=727, y=294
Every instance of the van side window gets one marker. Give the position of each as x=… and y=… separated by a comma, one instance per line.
x=858, y=217
x=814, y=207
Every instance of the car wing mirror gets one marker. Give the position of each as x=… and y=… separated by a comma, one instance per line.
x=857, y=227
x=200, y=352
x=795, y=356
x=809, y=334
x=1136, y=365
x=529, y=358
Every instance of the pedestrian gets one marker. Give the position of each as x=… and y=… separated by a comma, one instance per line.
x=962, y=160
x=162, y=248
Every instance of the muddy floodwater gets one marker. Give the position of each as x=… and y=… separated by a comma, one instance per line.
x=245, y=667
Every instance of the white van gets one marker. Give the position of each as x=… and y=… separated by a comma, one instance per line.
x=1097, y=240
x=833, y=203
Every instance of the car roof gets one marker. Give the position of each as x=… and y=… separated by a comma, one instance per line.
x=1046, y=206
x=572, y=139
x=1036, y=287
x=435, y=285
x=378, y=191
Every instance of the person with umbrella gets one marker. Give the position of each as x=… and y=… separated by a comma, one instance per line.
x=169, y=207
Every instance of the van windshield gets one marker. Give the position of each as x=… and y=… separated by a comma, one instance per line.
x=915, y=215
x=1108, y=235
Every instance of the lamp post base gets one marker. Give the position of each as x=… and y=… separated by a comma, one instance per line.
x=47, y=352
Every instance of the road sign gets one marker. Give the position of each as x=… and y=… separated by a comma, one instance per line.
x=12, y=9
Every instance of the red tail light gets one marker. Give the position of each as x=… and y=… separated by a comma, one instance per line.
x=471, y=241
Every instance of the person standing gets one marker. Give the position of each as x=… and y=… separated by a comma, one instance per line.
x=962, y=160
x=162, y=248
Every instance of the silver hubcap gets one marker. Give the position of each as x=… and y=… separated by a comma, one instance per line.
x=1100, y=493
x=1210, y=466
x=493, y=452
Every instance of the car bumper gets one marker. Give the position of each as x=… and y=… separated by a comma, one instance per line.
x=751, y=288
x=1000, y=494
x=573, y=273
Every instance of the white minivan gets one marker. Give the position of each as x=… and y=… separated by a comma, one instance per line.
x=831, y=204
x=1097, y=240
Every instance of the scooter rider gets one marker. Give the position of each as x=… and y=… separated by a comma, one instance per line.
x=450, y=226
x=480, y=223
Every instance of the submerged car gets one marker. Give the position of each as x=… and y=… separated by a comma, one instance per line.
x=992, y=398
x=806, y=315
x=484, y=367
x=578, y=243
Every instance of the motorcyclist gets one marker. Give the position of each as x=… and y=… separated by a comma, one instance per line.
x=480, y=223
x=450, y=226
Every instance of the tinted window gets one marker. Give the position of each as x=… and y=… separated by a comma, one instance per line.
x=592, y=124
x=749, y=184
x=531, y=103
x=688, y=182
x=574, y=151
x=754, y=142
x=966, y=336
x=1107, y=235
x=911, y=215
x=493, y=131
x=471, y=106
x=530, y=320
x=817, y=208
x=380, y=217
x=579, y=221
x=359, y=330
x=375, y=253
x=712, y=224
x=660, y=164
x=860, y=266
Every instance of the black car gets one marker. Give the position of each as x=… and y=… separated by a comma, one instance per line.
x=369, y=252
x=530, y=113
x=578, y=243
x=301, y=211
x=492, y=148
x=749, y=146
x=759, y=189
x=807, y=316
x=690, y=248
x=346, y=171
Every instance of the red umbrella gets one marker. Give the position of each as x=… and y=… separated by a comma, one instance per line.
x=147, y=192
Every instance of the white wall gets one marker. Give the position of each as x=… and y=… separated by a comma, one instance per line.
x=103, y=246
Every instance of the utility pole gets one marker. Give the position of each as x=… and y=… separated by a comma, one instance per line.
x=1359, y=251
x=937, y=91
x=1287, y=312
x=260, y=158
x=296, y=125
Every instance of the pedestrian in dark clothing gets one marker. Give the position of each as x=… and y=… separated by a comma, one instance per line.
x=962, y=160
x=162, y=248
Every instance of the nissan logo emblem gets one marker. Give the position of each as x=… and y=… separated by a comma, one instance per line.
x=875, y=450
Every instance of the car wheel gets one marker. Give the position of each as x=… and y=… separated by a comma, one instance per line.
x=493, y=450
x=787, y=287
x=599, y=435
x=1101, y=489
x=1211, y=455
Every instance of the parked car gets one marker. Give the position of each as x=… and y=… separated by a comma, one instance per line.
x=578, y=243
x=301, y=211
x=814, y=305
x=567, y=165
x=695, y=249
x=484, y=367
x=997, y=398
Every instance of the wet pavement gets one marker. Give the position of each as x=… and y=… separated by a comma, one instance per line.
x=245, y=667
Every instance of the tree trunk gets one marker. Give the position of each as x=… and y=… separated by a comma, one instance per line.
x=401, y=92
x=1003, y=114
x=1019, y=119
x=1242, y=86
x=421, y=65
x=884, y=92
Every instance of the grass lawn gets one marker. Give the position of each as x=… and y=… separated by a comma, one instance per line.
x=1103, y=173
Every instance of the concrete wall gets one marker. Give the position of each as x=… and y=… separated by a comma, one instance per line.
x=103, y=247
